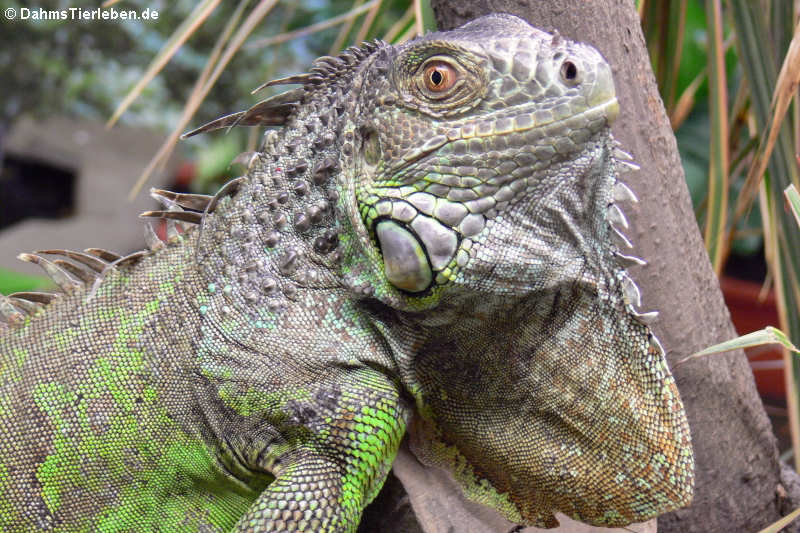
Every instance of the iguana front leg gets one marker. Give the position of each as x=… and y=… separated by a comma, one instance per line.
x=322, y=485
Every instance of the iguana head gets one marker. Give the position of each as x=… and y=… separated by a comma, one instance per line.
x=459, y=142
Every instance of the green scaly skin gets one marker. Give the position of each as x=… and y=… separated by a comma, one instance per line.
x=402, y=253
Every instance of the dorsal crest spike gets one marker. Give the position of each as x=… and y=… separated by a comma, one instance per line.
x=173, y=235
x=9, y=313
x=328, y=62
x=36, y=297
x=229, y=189
x=105, y=255
x=245, y=159
x=348, y=58
x=273, y=111
x=60, y=277
x=323, y=70
x=183, y=216
x=94, y=263
x=197, y=202
x=294, y=79
x=131, y=259
x=77, y=272
x=276, y=110
x=151, y=239
x=28, y=307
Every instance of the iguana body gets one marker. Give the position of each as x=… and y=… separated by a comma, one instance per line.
x=426, y=245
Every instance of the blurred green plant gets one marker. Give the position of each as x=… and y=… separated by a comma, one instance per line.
x=84, y=69
x=11, y=282
x=762, y=337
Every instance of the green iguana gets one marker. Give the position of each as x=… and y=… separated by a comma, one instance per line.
x=428, y=245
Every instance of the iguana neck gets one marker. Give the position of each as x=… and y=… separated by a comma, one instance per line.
x=280, y=232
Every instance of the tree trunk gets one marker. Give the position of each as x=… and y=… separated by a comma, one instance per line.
x=738, y=481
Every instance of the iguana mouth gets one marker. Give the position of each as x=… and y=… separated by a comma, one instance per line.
x=530, y=120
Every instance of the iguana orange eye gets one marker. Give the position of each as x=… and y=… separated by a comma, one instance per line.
x=439, y=76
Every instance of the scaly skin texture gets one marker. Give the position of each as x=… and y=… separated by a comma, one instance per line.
x=426, y=243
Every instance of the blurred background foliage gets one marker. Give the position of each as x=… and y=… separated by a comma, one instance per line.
x=717, y=65
x=87, y=68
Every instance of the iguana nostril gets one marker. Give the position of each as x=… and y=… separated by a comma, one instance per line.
x=569, y=73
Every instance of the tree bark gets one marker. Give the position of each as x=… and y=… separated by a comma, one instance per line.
x=738, y=474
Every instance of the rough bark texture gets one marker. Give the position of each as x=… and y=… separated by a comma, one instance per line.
x=738, y=471
x=391, y=512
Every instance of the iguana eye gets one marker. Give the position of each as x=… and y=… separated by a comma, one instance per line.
x=439, y=76
x=449, y=82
